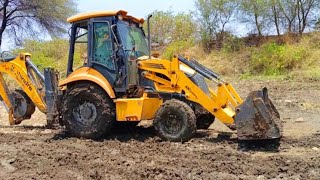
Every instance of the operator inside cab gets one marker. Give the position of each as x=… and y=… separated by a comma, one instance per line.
x=103, y=45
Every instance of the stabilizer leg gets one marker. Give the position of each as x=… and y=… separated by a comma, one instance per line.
x=51, y=85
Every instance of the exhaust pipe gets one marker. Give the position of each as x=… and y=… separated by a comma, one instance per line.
x=149, y=35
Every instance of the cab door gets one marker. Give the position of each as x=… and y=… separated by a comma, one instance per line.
x=103, y=57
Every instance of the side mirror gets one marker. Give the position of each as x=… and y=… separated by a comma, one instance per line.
x=69, y=32
x=132, y=54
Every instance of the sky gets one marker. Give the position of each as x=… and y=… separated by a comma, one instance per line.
x=137, y=8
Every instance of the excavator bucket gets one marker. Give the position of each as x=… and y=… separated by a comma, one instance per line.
x=257, y=118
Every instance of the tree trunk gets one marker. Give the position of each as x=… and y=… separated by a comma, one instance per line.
x=289, y=26
x=300, y=10
x=2, y=28
x=275, y=16
x=4, y=20
x=256, y=19
x=257, y=24
x=1, y=33
x=305, y=13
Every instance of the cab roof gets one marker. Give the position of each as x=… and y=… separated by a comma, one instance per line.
x=88, y=15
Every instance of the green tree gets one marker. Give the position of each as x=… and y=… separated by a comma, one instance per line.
x=53, y=53
x=255, y=12
x=184, y=27
x=167, y=27
x=306, y=8
x=22, y=19
x=214, y=15
x=276, y=14
x=289, y=10
x=299, y=14
x=317, y=25
x=161, y=26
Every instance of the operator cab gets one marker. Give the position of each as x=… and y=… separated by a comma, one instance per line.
x=109, y=42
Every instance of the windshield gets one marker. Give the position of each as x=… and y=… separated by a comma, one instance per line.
x=133, y=37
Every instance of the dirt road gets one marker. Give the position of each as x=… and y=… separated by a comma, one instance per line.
x=33, y=152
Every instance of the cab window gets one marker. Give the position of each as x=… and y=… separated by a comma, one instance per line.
x=102, y=45
x=80, y=56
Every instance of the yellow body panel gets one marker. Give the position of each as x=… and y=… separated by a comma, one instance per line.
x=137, y=109
x=221, y=104
x=88, y=15
x=89, y=74
x=18, y=71
x=6, y=99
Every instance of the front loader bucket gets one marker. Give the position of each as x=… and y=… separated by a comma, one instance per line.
x=257, y=118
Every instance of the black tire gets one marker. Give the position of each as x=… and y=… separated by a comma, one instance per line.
x=205, y=120
x=88, y=111
x=175, y=121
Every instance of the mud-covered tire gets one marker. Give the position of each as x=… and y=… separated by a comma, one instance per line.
x=175, y=121
x=88, y=111
x=205, y=120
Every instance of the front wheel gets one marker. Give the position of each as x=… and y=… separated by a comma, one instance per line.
x=87, y=111
x=175, y=121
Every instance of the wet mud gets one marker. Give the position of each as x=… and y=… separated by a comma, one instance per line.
x=30, y=151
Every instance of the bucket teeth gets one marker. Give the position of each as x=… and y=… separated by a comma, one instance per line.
x=257, y=118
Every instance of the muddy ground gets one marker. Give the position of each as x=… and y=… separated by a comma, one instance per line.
x=29, y=151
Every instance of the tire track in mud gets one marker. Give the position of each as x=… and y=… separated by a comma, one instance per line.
x=140, y=155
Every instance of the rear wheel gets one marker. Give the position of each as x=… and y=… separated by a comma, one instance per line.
x=175, y=121
x=87, y=111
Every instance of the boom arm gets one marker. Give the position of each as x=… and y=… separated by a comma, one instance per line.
x=221, y=104
x=255, y=118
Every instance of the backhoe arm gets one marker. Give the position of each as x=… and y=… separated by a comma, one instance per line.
x=7, y=98
x=17, y=68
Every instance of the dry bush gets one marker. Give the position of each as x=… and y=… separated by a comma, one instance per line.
x=290, y=56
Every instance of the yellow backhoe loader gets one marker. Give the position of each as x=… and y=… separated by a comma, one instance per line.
x=120, y=82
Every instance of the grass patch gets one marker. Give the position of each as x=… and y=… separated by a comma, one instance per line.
x=296, y=60
x=274, y=59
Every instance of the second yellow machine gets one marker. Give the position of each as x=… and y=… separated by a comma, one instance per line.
x=119, y=81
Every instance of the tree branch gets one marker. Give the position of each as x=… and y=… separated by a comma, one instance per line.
x=21, y=16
